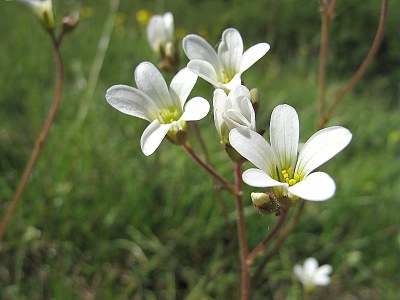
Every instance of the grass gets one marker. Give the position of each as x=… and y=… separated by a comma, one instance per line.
x=99, y=220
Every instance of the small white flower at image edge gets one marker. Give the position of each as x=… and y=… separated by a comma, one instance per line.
x=311, y=275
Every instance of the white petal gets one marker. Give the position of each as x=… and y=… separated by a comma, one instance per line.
x=237, y=94
x=310, y=266
x=284, y=134
x=150, y=81
x=131, y=101
x=195, y=109
x=258, y=178
x=152, y=136
x=248, y=112
x=324, y=270
x=197, y=48
x=168, y=20
x=317, y=186
x=204, y=70
x=235, y=82
x=230, y=50
x=156, y=33
x=182, y=84
x=321, y=147
x=235, y=119
x=251, y=55
x=322, y=280
x=253, y=147
x=298, y=271
x=219, y=104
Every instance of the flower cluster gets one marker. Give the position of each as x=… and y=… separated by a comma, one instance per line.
x=281, y=167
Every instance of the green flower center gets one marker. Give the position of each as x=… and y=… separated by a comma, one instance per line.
x=169, y=115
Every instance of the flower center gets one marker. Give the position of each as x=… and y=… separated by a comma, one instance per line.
x=227, y=77
x=289, y=177
x=169, y=115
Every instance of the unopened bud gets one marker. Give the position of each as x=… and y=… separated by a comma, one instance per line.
x=264, y=203
x=255, y=98
x=69, y=22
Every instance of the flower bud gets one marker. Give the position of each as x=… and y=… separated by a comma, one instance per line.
x=70, y=22
x=264, y=203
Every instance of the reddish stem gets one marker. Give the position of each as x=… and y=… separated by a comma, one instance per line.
x=257, y=251
x=225, y=184
x=245, y=285
x=39, y=141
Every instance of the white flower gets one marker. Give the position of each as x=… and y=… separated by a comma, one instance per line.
x=43, y=10
x=160, y=32
x=222, y=69
x=280, y=166
x=233, y=110
x=310, y=275
x=164, y=108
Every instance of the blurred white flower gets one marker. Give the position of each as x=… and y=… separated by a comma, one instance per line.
x=233, y=110
x=165, y=109
x=160, y=32
x=43, y=10
x=222, y=69
x=280, y=166
x=310, y=275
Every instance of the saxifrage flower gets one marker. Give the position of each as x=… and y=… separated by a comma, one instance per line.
x=280, y=166
x=160, y=32
x=165, y=109
x=310, y=275
x=222, y=69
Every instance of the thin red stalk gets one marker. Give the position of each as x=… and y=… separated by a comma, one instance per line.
x=245, y=286
x=364, y=65
x=225, y=184
x=327, y=11
x=257, y=251
x=281, y=240
x=39, y=141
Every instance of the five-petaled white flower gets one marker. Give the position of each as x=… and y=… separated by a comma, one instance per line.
x=222, y=69
x=280, y=166
x=153, y=101
x=310, y=275
x=43, y=10
x=233, y=110
x=160, y=32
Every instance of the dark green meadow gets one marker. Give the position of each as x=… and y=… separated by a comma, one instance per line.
x=99, y=220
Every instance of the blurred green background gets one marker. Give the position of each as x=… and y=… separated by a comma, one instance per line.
x=99, y=220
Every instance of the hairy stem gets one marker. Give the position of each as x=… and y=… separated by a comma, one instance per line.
x=245, y=286
x=224, y=183
x=257, y=251
x=281, y=240
x=39, y=141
